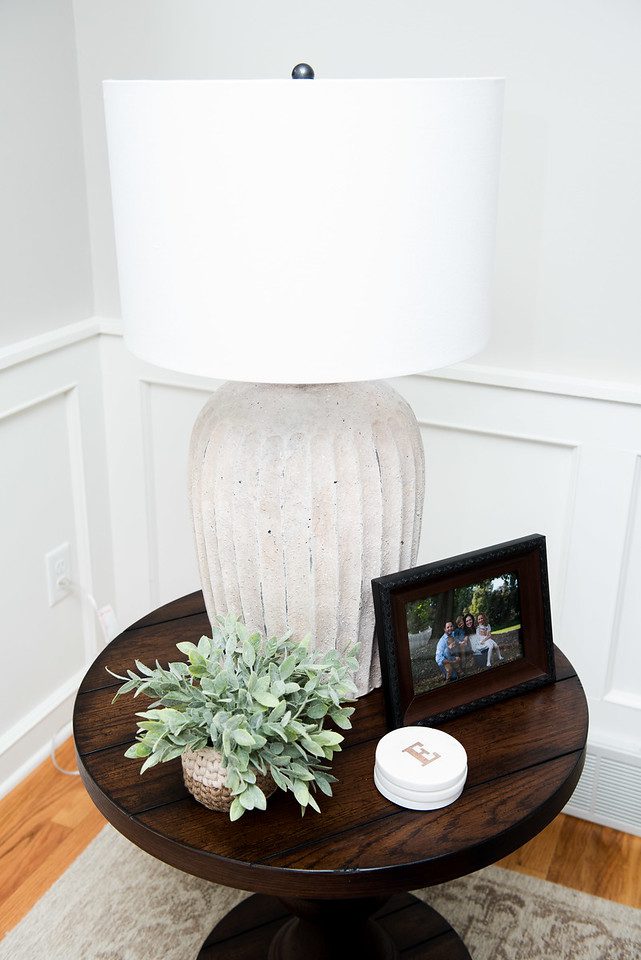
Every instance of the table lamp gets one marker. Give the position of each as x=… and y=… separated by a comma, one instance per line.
x=304, y=239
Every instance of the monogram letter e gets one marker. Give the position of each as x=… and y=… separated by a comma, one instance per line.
x=421, y=754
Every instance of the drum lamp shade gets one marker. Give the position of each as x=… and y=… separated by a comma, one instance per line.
x=278, y=231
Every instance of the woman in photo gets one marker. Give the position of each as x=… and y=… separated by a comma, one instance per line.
x=485, y=640
x=463, y=640
x=470, y=632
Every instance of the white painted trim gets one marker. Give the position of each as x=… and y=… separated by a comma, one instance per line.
x=514, y=378
x=502, y=434
x=36, y=401
x=182, y=382
x=81, y=521
x=15, y=353
x=36, y=758
x=110, y=327
x=623, y=699
x=69, y=393
x=145, y=384
x=575, y=452
x=615, y=696
x=144, y=387
x=40, y=712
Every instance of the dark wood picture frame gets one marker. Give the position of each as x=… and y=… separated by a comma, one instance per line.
x=526, y=557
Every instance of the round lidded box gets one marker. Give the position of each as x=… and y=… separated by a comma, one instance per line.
x=420, y=768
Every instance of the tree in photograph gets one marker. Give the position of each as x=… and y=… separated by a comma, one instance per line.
x=463, y=599
x=498, y=599
x=480, y=602
x=443, y=611
x=419, y=615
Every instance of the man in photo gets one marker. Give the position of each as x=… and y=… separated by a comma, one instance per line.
x=447, y=659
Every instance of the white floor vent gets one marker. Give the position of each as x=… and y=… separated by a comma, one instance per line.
x=609, y=791
x=582, y=797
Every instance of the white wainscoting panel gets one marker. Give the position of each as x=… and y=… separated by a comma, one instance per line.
x=485, y=487
x=169, y=412
x=149, y=413
x=36, y=514
x=53, y=490
x=624, y=670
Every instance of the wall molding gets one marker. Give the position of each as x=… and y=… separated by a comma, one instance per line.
x=533, y=381
x=69, y=393
x=81, y=518
x=613, y=695
x=572, y=445
x=41, y=711
x=37, y=373
x=508, y=377
x=45, y=343
x=574, y=449
x=145, y=387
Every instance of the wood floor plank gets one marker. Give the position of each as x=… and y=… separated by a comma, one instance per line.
x=536, y=856
x=35, y=881
x=45, y=823
x=597, y=855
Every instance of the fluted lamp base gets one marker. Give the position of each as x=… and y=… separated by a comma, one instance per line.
x=300, y=495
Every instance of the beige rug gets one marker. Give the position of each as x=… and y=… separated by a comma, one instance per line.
x=118, y=903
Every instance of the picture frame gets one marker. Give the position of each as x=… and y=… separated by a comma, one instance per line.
x=426, y=684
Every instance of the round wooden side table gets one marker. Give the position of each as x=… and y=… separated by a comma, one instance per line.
x=332, y=885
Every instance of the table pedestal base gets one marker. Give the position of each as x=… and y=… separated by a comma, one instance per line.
x=265, y=927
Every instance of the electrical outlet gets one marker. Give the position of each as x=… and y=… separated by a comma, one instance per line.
x=58, y=565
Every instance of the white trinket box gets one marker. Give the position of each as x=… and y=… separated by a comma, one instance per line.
x=420, y=768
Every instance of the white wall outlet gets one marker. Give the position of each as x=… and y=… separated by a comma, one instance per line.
x=58, y=565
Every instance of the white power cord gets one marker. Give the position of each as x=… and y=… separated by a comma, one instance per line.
x=109, y=629
x=52, y=754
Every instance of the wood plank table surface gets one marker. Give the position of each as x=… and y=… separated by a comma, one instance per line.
x=342, y=874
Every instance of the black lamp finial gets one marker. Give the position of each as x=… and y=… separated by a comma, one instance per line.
x=302, y=71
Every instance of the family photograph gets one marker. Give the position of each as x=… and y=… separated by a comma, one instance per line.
x=464, y=631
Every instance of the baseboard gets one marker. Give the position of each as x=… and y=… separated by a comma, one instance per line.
x=28, y=742
x=609, y=791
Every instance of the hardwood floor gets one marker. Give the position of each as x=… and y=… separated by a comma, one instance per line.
x=583, y=855
x=49, y=819
x=45, y=822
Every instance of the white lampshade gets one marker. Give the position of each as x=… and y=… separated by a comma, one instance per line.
x=297, y=231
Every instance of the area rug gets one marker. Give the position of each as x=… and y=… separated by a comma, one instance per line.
x=117, y=903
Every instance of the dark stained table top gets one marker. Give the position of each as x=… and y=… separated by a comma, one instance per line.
x=525, y=757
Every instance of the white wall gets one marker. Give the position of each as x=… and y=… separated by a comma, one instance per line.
x=45, y=262
x=568, y=283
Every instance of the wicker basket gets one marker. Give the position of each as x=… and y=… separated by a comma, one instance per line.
x=205, y=776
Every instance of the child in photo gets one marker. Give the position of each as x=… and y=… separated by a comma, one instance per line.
x=485, y=640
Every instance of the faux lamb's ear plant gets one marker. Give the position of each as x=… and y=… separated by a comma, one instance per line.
x=262, y=704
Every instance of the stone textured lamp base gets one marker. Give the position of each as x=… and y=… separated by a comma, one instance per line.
x=300, y=495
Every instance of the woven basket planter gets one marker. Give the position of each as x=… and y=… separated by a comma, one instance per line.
x=205, y=776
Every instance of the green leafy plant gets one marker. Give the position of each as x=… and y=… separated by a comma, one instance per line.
x=261, y=703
